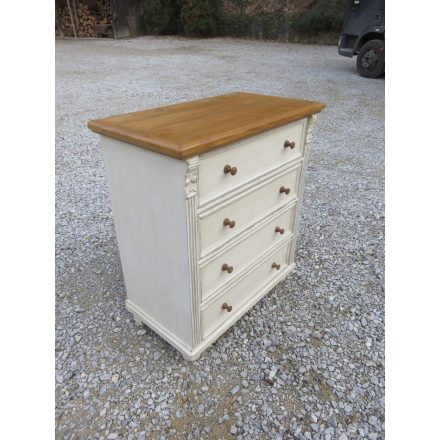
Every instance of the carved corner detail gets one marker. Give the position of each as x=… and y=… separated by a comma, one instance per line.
x=192, y=177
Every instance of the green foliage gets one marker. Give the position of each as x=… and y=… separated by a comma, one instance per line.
x=270, y=26
x=206, y=18
x=322, y=23
x=201, y=18
x=157, y=15
x=326, y=16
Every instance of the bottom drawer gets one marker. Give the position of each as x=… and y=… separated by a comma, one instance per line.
x=213, y=314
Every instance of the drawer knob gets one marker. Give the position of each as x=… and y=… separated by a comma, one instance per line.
x=228, y=169
x=284, y=190
x=290, y=145
x=280, y=230
x=227, y=268
x=226, y=307
x=227, y=222
x=276, y=266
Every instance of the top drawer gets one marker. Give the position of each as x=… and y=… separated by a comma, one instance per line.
x=250, y=157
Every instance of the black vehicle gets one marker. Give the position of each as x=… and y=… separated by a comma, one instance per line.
x=363, y=34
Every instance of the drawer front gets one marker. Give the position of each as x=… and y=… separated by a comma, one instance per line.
x=212, y=275
x=213, y=314
x=246, y=208
x=249, y=157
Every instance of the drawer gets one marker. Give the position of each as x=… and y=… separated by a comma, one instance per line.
x=212, y=276
x=213, y=314
x=249, y=157
x=245, y=208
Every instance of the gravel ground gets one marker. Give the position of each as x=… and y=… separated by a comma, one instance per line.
x=318, y=336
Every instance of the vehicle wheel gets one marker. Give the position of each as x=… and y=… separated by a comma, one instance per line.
x=370, y=61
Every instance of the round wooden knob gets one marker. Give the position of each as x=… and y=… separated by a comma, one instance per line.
x=280, y=230
x=226, y=307
x=228, y=169
x=284, y=190
x=288, y=144
x=227, y=268
x=227, y=222
x=276, y=266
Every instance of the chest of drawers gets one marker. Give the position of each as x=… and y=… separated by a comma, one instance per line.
x=206, y=198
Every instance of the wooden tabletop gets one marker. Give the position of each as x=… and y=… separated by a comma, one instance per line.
x=192, y=128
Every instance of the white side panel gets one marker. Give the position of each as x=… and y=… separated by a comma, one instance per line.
x=149, y=209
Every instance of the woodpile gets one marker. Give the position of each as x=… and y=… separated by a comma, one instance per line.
x=89, y=19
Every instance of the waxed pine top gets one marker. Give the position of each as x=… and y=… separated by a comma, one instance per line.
x=196, y=127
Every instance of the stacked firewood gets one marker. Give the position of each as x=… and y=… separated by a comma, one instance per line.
x=103, y=8
x=85, y=17
x=86, y=20
x=65, y=23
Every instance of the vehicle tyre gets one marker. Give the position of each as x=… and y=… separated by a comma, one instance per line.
x=370, y=61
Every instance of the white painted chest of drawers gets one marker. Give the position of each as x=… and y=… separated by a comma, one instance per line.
x=206, y=198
